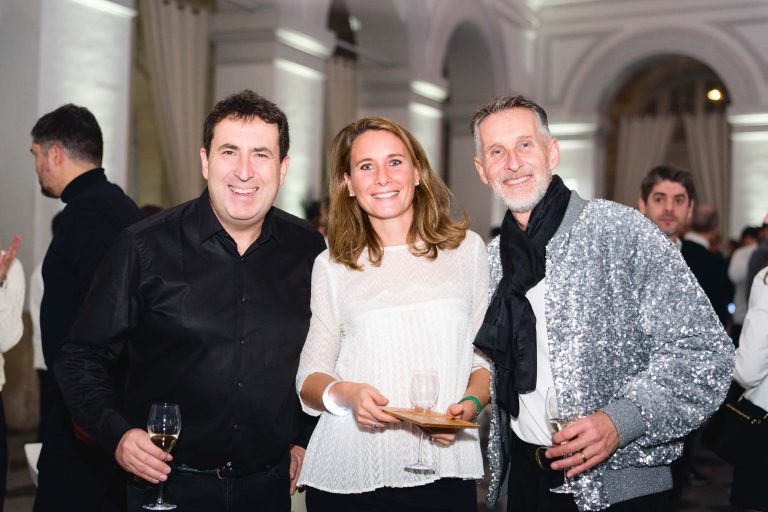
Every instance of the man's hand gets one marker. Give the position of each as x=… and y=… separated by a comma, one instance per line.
x=297, y=459
x=138, y=455
x=588, y=441
x=6, y=257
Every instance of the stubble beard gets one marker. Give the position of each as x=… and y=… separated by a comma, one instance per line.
x=524, y=204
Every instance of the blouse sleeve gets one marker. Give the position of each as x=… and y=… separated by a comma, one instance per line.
x=752, y=354
x=479, y=262
x=321, y=349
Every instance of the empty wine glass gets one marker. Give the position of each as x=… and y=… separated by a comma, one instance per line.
x=425, y=387
x=557, y=423
x=163, y=426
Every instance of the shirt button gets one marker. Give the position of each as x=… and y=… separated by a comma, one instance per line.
x=242, y=300
x=239, y=384
x=236, y=426
x=242, y=341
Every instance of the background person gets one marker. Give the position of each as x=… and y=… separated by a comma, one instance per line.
x=749, y=490
x=11, y=328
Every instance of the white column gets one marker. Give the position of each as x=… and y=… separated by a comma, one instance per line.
x=749, y=177
x=578, y=153
x=287, y=66
x=56, y=52
x=415, y=103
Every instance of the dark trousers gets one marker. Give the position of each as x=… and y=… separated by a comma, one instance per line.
x=529, y=488
x=444, y=495
x=74, y=475
x=266, y=490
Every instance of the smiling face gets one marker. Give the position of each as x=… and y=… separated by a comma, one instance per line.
x=516, y=159
x=668, y=206
x=382, y=177
x=244, y=174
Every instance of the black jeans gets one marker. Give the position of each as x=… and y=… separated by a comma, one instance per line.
x=266, y=490
x=529, y=488
x=444, y=495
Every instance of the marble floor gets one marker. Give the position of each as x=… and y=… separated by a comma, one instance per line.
x=709, y=494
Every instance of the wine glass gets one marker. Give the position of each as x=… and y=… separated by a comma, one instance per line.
x=425, y=387
x=557, y=423
x=163, y=426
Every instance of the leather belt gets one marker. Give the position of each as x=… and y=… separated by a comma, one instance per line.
x=222, y=473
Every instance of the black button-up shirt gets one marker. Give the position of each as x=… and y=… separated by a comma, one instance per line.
x=218, y=333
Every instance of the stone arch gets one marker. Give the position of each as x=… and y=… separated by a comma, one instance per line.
x=607, y=66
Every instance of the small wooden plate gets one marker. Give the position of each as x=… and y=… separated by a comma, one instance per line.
x=429, y=419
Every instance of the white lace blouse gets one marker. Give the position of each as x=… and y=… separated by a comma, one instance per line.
x=379, y=326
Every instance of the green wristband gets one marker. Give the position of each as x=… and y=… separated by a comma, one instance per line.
x=476, y=402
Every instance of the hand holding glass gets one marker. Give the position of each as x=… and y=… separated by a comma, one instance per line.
x=163, y=426
x=425, y=387
x=558, y=423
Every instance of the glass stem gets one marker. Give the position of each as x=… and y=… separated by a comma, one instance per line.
x=160, y=494
x=421, y=438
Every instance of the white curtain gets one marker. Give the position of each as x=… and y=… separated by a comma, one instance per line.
x=340, y=96
x=706, y=136
x=643, y=144
x=176, y=41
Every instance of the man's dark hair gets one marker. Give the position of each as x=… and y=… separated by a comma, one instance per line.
x=749, y=232
x=246, y=105
x=704, y=218
x=667, y=173
x=502, y=103
x=75, y=129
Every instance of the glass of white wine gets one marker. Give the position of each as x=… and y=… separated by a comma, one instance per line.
x=557, y=423
x=163, y=426
x=425, y=387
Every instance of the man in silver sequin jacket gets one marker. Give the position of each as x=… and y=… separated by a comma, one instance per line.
x=631, y=343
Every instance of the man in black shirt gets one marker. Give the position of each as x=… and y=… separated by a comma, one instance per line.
x=209, y=302
x=68, y=147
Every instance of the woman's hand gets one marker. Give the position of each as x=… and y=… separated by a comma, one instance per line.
x=365, y=401
x=445, y=437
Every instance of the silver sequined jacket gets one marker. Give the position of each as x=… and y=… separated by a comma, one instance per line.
x=630, y=333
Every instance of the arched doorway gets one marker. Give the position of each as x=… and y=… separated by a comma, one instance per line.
x=668, y=109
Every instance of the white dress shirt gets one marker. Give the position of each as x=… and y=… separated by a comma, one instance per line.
x=752, y=355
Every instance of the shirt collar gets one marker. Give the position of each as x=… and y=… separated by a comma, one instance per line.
x=209, y=225
x=82, y=182
x=697, y=239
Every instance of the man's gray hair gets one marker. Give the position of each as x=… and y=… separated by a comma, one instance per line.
x=502, y=103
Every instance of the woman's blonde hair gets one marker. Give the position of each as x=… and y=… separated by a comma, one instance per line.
x=349, y=229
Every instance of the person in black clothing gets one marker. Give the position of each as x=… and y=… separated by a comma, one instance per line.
x=710, y=269
x=67, y=146
x=209, y=301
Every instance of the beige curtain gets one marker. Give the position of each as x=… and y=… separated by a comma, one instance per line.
x=706, y=136
x=643, y=144
x=176, y=41
x=340, y=98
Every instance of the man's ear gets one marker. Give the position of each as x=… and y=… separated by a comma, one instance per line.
x=641, y=205
x=554, y=153
x=480, y=170
x=204, y=163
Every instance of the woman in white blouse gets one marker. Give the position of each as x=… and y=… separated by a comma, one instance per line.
x=749, y=490
x=401, y=289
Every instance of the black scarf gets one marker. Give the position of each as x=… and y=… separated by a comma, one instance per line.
x=508, y=333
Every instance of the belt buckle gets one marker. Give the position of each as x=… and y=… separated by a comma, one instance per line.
x=226, y=468
x=541, y=459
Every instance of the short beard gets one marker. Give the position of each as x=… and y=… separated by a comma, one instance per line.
x=47, y=193
x=523, y=205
